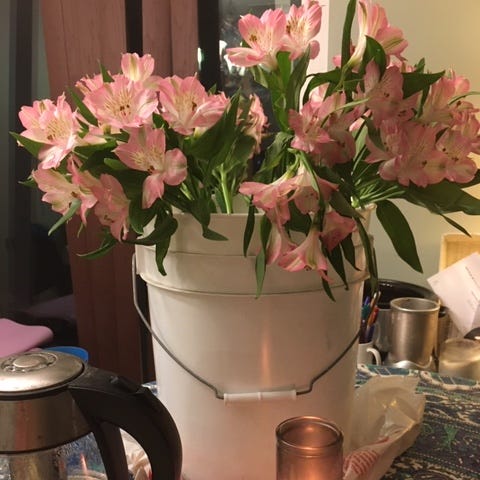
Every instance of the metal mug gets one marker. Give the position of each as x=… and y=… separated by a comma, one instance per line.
x=413, y=330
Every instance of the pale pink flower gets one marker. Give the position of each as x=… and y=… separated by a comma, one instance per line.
x=306, y=256
x=186, y=105
x=308, y=126
x=385, y=95
x=303, y=23
x=59, y=191
x=271, y=198
x=336, y=228
x=136, y=68
x=309, y=190
x=469, y=128
x=85, y=182
x=256, y=121
x=279, y=243
x=459, y=168
x=264, y=37
x=372, y=22
x=410, y=154
x=122, y=103
x=438, y=106
x=90, y=84
x=112, y=206
x=54, y=125
x=145, y=151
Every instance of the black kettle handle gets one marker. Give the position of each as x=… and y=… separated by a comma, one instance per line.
x=109, y=402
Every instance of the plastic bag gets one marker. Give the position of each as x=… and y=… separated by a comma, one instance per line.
x=387, y=420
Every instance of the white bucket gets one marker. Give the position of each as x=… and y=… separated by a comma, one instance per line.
x=262, y=356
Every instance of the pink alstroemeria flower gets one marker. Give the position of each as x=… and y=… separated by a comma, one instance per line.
x=336, y=228
x=271, y=198
x=54, y=125
x=59, y=192
x=385, y=95
x=410, y=154
x=306, y=256
x=122, y=103
x=438, y=106
x=186, y=105
x=459, y=168
x=303, y=23
x=145, y=151
x=372, y=22
x=90, y=84
x=112, y=206
x=308, y=126
x=279, y=243
x=136, y=68
x=264, y=36
x=307, y=188
x=257, y=121
x=85, y=182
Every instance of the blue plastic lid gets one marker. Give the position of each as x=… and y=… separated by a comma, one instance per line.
x=77, y=351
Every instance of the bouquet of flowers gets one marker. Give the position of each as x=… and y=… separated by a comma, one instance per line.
x=136, y=148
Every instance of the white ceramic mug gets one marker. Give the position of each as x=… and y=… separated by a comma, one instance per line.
x=367, y=353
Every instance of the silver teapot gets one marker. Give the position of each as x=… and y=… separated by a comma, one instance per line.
x=60, y=419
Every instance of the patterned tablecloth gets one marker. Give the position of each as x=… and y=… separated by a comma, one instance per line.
x=448, y=446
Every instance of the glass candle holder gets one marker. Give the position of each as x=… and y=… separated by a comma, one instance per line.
x=309, y=448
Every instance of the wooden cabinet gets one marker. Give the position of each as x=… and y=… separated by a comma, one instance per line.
x=79, y=35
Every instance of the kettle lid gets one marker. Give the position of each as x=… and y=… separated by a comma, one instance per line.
x=33, y=371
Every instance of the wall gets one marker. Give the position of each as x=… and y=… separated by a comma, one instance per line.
x=447, y=39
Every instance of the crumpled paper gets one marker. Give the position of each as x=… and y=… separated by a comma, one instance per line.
x=387, y=419
x=137, y=460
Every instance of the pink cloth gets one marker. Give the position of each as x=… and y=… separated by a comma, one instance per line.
x=16, y=338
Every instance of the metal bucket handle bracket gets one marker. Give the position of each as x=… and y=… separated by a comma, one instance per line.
x=290, y=394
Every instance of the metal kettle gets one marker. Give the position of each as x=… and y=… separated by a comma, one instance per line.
x=58, y=413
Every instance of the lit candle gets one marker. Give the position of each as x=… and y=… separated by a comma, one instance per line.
x=309, y=448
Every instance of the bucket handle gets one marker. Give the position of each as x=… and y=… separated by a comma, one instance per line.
x=233, y=397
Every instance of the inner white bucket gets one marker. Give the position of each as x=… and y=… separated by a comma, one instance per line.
x=241, y=345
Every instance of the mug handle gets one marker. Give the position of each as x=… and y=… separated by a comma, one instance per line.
x=376, y=355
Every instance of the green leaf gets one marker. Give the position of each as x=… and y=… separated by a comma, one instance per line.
x=139, y=217
x=261, y=259
x=336, y=259
x=374, y=51
x=106, y=77
x=74, y=206
x=397, y=228
x=212, y=235
x=107, y=244
x=414, y=82
x=349, y=251
x=115, y=164
x=31, y=146
x=161, y=250
x=328, y=290
x=296, y=82
x=165, y=227
x=83, y=109
x=443, y=197
x=249, y=227
x=369, y=255
x=347, y=31
x=332, y=77
x=85, y=151
x=260, y=269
